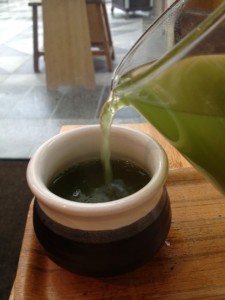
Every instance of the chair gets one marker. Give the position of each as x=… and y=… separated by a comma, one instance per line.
x=100, y=35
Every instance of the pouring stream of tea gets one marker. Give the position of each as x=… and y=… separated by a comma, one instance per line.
x=183, y=97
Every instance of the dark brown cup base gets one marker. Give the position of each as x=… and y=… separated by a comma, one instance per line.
x=109, y=258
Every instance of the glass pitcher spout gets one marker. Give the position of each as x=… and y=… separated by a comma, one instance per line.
x=179, y=87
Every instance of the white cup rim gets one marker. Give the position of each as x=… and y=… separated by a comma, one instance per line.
x=51, y=201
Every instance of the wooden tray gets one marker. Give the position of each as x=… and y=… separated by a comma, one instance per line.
x=191, y=264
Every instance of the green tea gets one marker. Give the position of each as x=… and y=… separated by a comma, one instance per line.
x=186, y=103
x=85, y=182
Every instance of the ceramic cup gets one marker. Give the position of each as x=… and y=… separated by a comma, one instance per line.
x=100, y=239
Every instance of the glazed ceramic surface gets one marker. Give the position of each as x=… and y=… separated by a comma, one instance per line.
x=102, y=234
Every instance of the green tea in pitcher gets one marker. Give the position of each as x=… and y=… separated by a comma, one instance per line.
x=85, y=182
x=186, y=103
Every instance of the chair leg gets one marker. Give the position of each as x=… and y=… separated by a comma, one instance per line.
x=109, y=35
x=109, y=59
x=35, y=38
x=113, y=54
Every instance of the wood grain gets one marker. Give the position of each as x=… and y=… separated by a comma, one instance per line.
x=189, y=266
x=203, y=4
x=67, y=44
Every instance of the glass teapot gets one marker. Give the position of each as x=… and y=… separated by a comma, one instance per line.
x=175, y=77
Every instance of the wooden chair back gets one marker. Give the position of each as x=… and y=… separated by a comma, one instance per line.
x=100, y=34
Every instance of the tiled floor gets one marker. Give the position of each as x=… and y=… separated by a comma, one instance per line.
x=29, y=112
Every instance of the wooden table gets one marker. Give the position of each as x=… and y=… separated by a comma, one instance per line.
x=191, y=264
x=67, y=45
